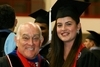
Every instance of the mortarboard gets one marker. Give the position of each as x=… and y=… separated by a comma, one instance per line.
x=41, y=16
x=71, y=8
x=94, y=36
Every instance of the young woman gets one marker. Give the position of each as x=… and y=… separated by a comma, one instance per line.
x=66, y=44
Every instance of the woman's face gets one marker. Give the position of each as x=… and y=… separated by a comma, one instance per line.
x=67, y=29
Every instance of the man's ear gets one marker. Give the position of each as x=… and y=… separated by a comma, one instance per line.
x=16, y=40
x=92, y=43
x=42, y=39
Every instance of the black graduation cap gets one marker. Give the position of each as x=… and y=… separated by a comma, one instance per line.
x=94, y=36
x=71, y=8
x=41, y=16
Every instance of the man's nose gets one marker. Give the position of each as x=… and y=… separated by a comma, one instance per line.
x=30, y=42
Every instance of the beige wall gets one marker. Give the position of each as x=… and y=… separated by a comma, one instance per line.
x=22, y=19
x=49, y=4
x=90, y=24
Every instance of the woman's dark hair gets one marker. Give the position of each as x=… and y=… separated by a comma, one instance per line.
x=57, y=48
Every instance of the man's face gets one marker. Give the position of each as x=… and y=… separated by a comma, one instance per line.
x=29, y=41
x=45, y=31
x=88, y=43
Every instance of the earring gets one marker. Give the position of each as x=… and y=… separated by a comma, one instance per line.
x=77, y=31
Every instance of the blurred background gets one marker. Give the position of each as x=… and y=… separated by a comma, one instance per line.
x=90, y=19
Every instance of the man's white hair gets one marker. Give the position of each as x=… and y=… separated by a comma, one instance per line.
x=33, y=24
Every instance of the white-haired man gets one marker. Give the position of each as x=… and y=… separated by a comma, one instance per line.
x=28, y=41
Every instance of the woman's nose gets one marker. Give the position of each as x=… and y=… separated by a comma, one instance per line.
x=63, y=27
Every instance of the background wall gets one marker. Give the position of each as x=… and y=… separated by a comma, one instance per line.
x=86, y=23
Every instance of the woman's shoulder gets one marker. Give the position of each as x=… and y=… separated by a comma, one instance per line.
x=83, y=53
x=83, y=56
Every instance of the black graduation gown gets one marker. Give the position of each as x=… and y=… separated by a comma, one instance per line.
x=88, y=59
x=3, y=36
x=96, y=53
x=95, y=58
x=16, y=62
x=45, y=50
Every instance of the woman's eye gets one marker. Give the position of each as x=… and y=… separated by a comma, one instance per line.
x=68, y=24
x=59, y=25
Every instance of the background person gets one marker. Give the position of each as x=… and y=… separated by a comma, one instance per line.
x=8, y=22
x=92, y=40
x=42, y=19
x=93, y=43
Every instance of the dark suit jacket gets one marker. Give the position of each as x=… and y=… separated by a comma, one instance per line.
x=3, y=36
x=16, y=62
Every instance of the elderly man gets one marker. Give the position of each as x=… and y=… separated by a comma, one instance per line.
x=28, y=41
